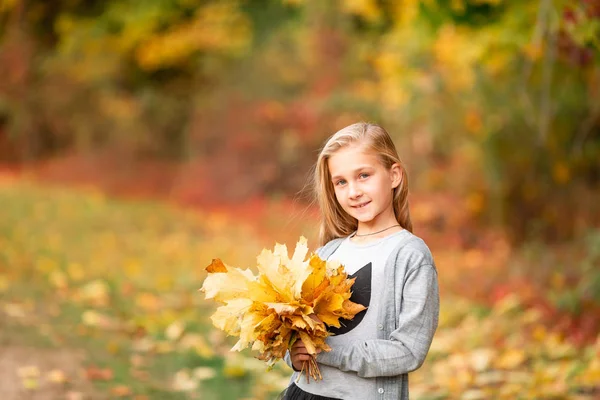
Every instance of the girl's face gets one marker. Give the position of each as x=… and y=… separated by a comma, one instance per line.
x=364, y=187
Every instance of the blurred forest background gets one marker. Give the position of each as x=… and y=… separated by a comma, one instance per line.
x=140, y=139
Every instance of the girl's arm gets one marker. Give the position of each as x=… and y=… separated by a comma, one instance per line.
x=407, y=346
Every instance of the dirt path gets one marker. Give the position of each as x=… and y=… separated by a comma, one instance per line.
x=28, y=373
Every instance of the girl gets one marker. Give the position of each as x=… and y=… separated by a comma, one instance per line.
x=362, y=189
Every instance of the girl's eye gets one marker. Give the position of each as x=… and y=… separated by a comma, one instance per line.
x=364, y=175
x=340, y=182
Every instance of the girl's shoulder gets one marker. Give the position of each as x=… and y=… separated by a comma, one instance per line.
x=414, y=250
x=328, y=248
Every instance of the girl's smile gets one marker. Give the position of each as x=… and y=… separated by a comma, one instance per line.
x=361, y=205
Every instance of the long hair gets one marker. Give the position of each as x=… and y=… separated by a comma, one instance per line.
x=335, y=222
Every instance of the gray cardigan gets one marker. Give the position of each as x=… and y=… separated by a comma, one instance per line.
x=406, y=322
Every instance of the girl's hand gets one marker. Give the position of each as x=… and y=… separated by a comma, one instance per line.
x=299, y=354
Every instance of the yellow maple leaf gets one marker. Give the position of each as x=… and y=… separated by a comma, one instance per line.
x=290, y=298
x=316, y=282
x=329, y=309
x=227, y=317
x=226, y=286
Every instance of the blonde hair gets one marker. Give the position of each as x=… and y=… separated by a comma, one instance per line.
x=335, y=222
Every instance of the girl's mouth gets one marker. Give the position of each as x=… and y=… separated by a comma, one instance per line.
x=361, y=205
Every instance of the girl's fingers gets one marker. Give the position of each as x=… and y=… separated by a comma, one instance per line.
x=299, y=350
x=298, y=343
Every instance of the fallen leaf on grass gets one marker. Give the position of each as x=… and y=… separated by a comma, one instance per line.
x=98, y=320
x=56, y=376
x=113, y=347
x=238, y=365
x=203, y=373
x=29, y=377
x=511, y=359
x=140, y=375
x=30, y=371
x=3, y=283
x=590, y=377
x=509, y=304
x=175, y=330
x=76, y=272
x=194, y=341
x=120, y=391
x=143, y=345
x=148, y=302
x=94, y=373
x=137, y=360
x=71, y=395
x=95, y=292
x=14, y=310
x=30, y=383
x=163, y=347
x=490, y=378
x=474, y=394
x=183, y=381
x=481, y=359
x=58, y=279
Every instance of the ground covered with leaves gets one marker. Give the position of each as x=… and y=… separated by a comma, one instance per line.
x=99, y=299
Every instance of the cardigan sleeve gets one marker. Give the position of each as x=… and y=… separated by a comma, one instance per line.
x=407, y=346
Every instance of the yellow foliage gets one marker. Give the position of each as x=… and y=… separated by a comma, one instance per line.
x=290, y=298
x=220, y=27
x=456, y=53
x=366, y=9
x=511, y=359
x=7, y=5
x=406, y=11
x=3, y=283
x=561, y=173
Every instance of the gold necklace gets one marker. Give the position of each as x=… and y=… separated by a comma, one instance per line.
x=375, y=233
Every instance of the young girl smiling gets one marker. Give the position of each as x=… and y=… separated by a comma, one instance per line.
x=361, y=187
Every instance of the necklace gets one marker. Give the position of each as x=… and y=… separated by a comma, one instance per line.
x=375, y=233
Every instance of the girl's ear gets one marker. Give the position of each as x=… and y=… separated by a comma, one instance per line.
x=396, y=175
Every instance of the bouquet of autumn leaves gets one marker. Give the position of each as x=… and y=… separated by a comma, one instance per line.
x=290, y=299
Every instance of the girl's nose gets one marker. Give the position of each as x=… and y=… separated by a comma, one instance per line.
x=354, y=191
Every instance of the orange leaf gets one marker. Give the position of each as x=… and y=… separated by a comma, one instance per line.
x=98, y=374
x=120, y=391
x=216, y=266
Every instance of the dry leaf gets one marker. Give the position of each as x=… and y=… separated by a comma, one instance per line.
x=288, y=295
x=216, y=266
x=72, y=395
x=120, y=391
x=204, y=373
x=56, y=376
x=94, y=373
x=175, y=330
x=511, y=359
x=183, y=381
x=95, y=292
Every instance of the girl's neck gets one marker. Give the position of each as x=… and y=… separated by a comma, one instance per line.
x=367, y=233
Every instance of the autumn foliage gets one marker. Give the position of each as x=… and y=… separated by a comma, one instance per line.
x=290, y=298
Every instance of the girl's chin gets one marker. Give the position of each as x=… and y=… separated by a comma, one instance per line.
x=363, y=219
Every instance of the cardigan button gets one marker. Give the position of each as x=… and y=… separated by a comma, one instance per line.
x=380, y=327
x=380, y=390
